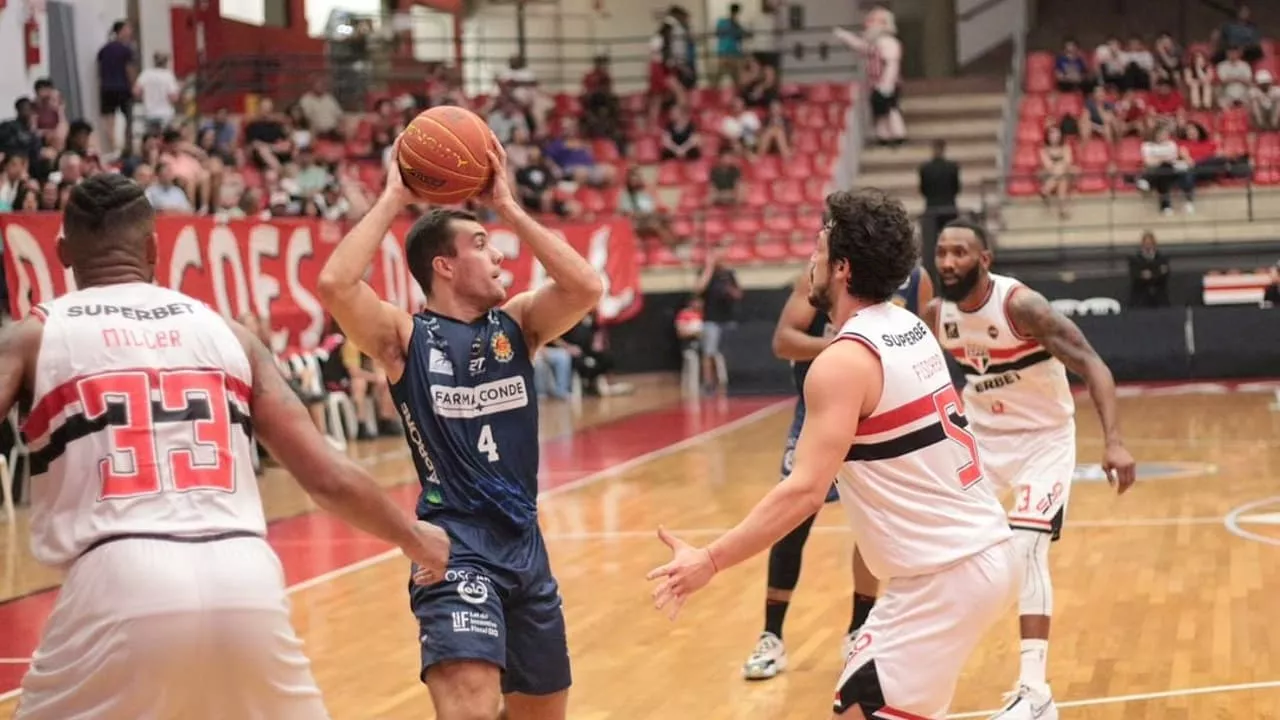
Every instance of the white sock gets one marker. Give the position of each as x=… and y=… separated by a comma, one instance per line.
x=1035, y=655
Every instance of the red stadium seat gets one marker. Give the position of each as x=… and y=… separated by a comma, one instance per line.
x=798, y=167
x=780, y=222
x=1040, y=72
x=1268, y=149
x=1070, y=104
x=1022, y=186
x=698, y=171
x=1267, y=175
x=1026, y=159
x=807, y=141
x=745, y=226
x=1129, y=154
x=671, y=173
x=1093, y=182
x=1233, y=146
x=605, y=151
x=1094, y=154
x=645, y=150
x=802, y=247
x=1033, y=109
x=740, y=250
x=772, y=248
x=822, y=93
x=1031, y=132
x=758, y=194
x=1233, y=121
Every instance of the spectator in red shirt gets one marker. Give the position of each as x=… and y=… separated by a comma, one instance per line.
x=1133, y=117
x=1167, y=103
x=1200, y=151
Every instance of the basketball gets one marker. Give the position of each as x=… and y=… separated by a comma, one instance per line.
x=442, y=155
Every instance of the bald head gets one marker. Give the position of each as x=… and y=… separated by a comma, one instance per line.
x=108, y=224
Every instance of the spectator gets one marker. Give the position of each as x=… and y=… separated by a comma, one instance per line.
x=70, y=170
x=689, y=326
x=601, y=112
x=1139, y=65
x=1099, y=116
x=1110, y=60
x=1239, y=33
x=1133, y=117
x=1057, y=171
x=224, y=130
x=1070, y=69
x=1055, y=117
x=1148, y=275
x=726, y=179
x=1200, y=152
x=165, y=195
x=1198, y=77
x=775, y=136
x=158, y=89
x=51, y=115
x=680, y=136
x=345, y=369
x=1235, y=76
x=553, y=370
x=647, y=218
x=720, y=292
x=322, y=112
x=730, y=34
x=675, y=51
x=767, y=35
x=13, y=177
x=1167, y=104
x=762, y=91
x=740, y=126
x=1165, y=167
x=266, y=138
x=506, y=118
x=1271, y=297
x=940, y=186
x=575, y=160
x=535, y=184
x=1264, y=103
x=587, y=343
x=1168, y=57
x=879, y=41
x=27, y=199
x=18, y=136
x=117, y=68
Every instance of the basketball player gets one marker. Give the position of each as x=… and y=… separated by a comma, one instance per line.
x=461, y=373
x=879, y=41
x=1014, y=349
x=885, y=420
x=142, y=402
x=802, y=332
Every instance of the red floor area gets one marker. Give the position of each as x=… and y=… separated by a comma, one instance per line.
x=313, y=544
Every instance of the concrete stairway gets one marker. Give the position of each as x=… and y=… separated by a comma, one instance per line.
x=1221, y=215
x=963, y=111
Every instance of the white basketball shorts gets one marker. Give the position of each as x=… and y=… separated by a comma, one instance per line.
x=148, y=629
x=907, y=658
x=1037, y=468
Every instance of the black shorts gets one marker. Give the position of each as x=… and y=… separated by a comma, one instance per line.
x=113, y=101
x=499, y=603
x=882, y=105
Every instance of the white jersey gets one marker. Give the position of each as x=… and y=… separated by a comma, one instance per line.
x=139, y=422
x=1014, y=384
x=912, y=483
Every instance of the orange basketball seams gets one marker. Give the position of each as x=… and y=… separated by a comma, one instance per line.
x=443, y=155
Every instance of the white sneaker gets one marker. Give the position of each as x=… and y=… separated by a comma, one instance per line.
x=1028, y=703
x=767, y=660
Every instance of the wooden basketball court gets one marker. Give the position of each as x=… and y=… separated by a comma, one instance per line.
x=1165, y=600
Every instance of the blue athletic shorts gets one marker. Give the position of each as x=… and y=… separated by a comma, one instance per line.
x=499, y=603
x=789, y=453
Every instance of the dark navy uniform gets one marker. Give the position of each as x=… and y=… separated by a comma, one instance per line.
x=907, y=296
x=471, y=419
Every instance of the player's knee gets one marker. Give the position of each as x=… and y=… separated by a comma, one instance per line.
x=786, y=555
x=1037, y=587
x=465, y=690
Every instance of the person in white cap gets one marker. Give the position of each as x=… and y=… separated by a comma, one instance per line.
x=1264, y=102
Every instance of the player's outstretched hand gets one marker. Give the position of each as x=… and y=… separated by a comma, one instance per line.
x=429, y=553
x=499, y=194
x=1120, y=468
x=689, y=570
x=396, y=190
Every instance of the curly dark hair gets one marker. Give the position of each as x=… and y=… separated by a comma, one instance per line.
x=873, y=233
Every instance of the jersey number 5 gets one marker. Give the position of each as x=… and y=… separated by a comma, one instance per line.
x=123, y=399
x=947, y=401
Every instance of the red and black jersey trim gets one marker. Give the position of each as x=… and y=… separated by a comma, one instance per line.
x=78, y=426
x=904, y=444
x=1021, y=363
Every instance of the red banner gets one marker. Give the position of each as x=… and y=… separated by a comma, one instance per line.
x=270, y=267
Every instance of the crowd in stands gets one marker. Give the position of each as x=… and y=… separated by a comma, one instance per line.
x=1157, y=118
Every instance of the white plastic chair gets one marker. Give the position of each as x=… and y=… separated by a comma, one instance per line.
x=691, y=372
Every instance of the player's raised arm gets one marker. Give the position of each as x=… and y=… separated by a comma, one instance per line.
x=332, y=479
x=842, y=380
x=376, y=327
x=1032, y=316
x=575, y=287
x=791, y=338
x=19, y=345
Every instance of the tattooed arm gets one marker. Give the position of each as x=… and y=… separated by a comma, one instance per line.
x=1032, y=316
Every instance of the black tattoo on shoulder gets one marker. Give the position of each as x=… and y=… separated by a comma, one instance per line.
x=1033, y=316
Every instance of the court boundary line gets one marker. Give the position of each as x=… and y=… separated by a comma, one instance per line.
x=593, y=478
x=1232, y=521
x=1140, y=697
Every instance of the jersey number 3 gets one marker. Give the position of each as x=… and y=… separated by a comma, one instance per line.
x=947, y=401
x=124, y=400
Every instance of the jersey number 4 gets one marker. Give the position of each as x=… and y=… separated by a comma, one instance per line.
x=132, y=468
x=947, y=401
x=486, y=443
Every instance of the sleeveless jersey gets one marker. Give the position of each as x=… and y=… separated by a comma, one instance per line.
x=1014, y=384
x=907, y=296
x=471, y=418
x=139, y=422
x=912, y=483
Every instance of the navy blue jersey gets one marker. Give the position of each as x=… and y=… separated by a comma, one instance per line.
x=471, y=418
x=907, y=296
